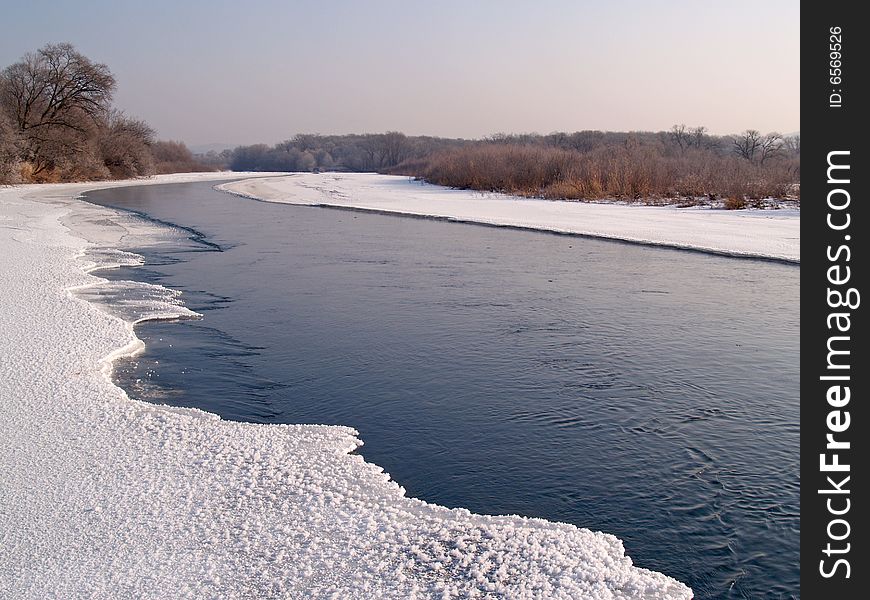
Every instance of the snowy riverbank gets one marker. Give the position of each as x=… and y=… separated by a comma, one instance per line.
x=107, y=497
x=768, y=234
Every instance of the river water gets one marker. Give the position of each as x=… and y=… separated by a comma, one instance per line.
x=647, y=392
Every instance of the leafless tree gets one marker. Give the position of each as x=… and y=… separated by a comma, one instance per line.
x=679, y=134
x=384, y=150
x=125, y=146
x=175, y=157
x=371, y=148
x=57, y=97
x=697, y=136
x=306, y=141
x=769, y=147
x=746, y=144
x=10, y=149
x=394, y=147
x=792, y=144
x=55, y=86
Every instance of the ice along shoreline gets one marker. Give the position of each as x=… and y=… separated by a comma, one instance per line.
x=768, y=235
x=108, y=496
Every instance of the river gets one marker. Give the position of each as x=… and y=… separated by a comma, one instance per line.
x=647, y=392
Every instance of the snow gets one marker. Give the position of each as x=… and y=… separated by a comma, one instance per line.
x=771, y=234
x=102, y=496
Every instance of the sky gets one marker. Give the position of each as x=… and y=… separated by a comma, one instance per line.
x=233, y=72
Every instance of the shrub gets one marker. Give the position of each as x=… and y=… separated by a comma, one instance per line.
x=639, y=169
x=175, y=157
x=735, y=203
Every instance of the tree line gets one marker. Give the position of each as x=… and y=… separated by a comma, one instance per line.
x=370, y=152
x=686, y=164
x=57, y=123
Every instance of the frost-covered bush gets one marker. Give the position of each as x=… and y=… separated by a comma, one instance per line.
x=10, y=150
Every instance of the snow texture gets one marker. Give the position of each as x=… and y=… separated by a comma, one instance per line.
x=102, y=496
x=771, y=234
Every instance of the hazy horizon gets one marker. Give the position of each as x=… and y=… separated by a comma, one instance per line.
x=210, y=73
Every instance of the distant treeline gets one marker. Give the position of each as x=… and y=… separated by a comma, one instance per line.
x=356, y=152
x=57, y=123
x=683, y=164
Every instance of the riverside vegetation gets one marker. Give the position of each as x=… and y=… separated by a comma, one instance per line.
x=57, y=123
x=683, y=165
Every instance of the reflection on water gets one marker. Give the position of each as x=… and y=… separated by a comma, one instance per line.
x=649, y=393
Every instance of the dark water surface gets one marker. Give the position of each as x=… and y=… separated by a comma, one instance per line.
x=645, y=392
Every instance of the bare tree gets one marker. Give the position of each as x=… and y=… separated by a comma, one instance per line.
x=697, y=136
x=55, y=86
x=175, y=157
x=56, y=96
x=10, y=149
x=792, y=144
x=306, y=141
x=679, y=134
x=394, y=148
x=769, y=147
x=371, y=148
x=125, y=146
x=746, y=144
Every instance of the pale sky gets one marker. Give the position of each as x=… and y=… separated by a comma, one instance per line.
x=206, y=71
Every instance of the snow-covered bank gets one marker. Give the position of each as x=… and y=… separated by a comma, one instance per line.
x=106, y=497
x=767, y=234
